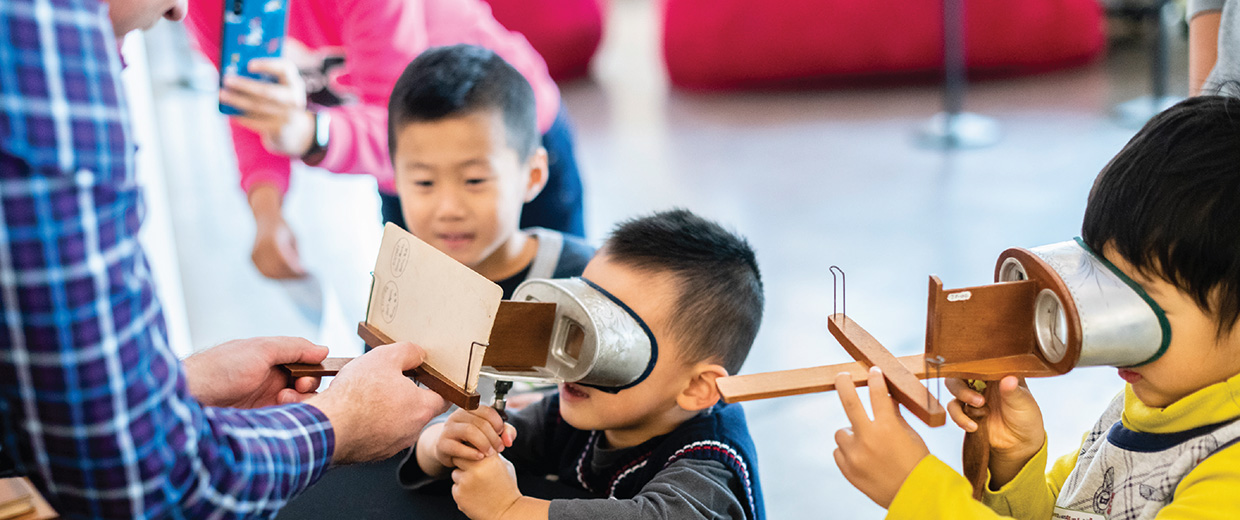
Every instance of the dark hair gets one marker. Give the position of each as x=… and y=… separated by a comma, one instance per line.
x=719, y=307
x=455, y=80
x=1169, y=203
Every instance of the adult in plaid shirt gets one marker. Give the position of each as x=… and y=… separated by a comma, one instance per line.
x=93, y=405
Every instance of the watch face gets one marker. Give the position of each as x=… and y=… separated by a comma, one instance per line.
x=318, y=146
x=322, y=123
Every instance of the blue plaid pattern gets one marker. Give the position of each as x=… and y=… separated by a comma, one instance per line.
x=93, y=404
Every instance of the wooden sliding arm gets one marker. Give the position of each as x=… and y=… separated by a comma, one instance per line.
x=902, y=374
x=799, y=381
x=424, y=374
x=903, y=384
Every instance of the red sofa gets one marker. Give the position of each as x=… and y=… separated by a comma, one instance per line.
x=720, y=44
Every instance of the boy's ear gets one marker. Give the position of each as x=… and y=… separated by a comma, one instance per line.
x=537, y=165
x=701, y=393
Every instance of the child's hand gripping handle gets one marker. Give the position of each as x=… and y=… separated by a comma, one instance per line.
x=1003, y=425
x=976, y=453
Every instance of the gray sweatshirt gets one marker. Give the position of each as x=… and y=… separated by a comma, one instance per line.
x=686, y=489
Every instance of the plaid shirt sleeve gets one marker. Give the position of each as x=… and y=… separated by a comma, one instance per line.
x=93, y=404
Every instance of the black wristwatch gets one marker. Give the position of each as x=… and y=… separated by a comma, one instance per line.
x=318, y=146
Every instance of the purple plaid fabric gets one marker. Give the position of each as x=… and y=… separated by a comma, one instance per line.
x=93, y=404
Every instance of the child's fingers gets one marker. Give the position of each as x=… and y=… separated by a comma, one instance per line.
x=844, y=438
x=961, y=390
x=453, y=450
x=1010, y=383
x=852, y=404
x=841, y=461
x=510, y=435
x=482, y=419
x=462, y=465
x=1015, y=395
x=491, y=417
x=880, y=398
x=472, y=435
x=487, y=428
x=955, y=409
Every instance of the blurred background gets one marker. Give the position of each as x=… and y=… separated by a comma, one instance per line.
x=802, y=130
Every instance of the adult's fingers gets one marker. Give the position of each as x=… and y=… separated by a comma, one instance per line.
x=307, y=384
x=294, y=350
x=272, y=264
x=279, y=68
x=288, y=254
x=402, y=354
x=262, y=91
x=290, y=396
x=258, y=126
x=252, y=106
x=852, y=404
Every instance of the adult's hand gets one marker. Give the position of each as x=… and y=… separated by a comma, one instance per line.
x=246, y=373
x=277, y=111
x=275, y=252
x=375, y=410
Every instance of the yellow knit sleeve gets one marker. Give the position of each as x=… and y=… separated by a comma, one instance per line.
x=1031, y=494
x=1209, y=490
x=935, y=490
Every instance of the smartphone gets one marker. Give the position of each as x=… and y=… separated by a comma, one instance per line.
x=252, y=29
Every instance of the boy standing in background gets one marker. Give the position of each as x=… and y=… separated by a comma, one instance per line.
x=463, y=133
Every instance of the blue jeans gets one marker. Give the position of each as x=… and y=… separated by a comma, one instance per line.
x=560, y=206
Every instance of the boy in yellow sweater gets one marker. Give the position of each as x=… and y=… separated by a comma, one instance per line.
x=1166, y=213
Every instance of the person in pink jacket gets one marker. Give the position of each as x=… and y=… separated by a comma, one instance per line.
x=349, y=53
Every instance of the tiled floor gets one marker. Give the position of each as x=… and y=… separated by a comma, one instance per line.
x=813, y=178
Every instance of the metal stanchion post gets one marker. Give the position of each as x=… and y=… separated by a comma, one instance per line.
x=954, y=128
x=1135, y=112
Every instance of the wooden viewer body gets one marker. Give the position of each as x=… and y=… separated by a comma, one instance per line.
x=979, y=333
x=983, y=332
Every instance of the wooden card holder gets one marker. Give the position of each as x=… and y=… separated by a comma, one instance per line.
x=520, y=339
x=424, y=374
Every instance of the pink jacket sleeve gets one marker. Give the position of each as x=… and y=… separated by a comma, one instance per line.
x=379, y=37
